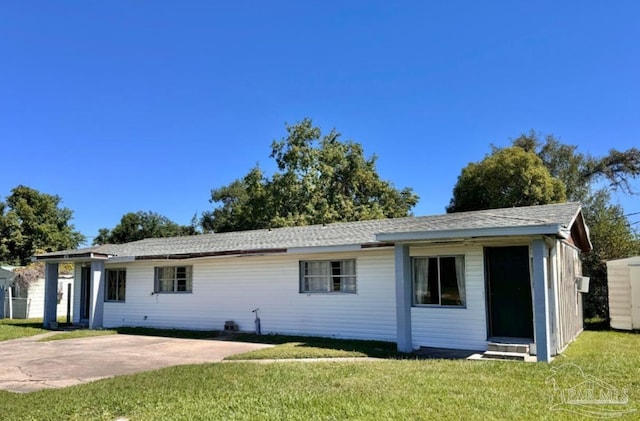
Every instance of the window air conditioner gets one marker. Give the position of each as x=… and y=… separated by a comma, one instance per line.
x=582, y=282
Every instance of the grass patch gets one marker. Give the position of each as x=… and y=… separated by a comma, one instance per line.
x=77, y=334
x=311, y=347
x=389, y=389
x=20, y=328
x=596, y=323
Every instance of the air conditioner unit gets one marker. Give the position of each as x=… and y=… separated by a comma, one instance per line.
x=582, y=283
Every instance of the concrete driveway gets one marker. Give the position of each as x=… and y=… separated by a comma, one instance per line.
x=27, y=365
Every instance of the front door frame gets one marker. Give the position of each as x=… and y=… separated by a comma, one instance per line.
x=85, y=293
x=525, y=294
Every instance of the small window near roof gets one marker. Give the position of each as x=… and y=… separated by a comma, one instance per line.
x=328, y=276
x=173, y=279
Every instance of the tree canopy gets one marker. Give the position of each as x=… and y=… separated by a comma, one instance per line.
x=320, y=179
x=507, y=177
x=32, y=222
x=579, y=172
x=141, y=225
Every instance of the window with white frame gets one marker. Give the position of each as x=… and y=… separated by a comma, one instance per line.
x=438, y=281
x=173, y=279
x=328, y=276
x=116, y=284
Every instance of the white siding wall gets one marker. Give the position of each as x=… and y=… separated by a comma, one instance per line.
x=229, y=288
x=634, y=280
x=35, y=301
x=459, y=328
x=619, y=295
x=35, y=306
x=569, y=300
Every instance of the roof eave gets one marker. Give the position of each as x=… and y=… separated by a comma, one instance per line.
x=546, y=229
x=198, y=255
x=71, y=257
x=583, y=231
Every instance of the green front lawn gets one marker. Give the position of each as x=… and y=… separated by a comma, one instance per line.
x=20, y=328
x=390, y=389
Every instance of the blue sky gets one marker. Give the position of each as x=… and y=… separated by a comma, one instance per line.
x=122, y=106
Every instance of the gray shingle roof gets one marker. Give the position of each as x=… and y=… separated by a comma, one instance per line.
x=337, y=234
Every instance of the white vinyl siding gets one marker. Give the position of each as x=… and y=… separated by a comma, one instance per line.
x=229, y=288
x=623, y=278
x=619, y=296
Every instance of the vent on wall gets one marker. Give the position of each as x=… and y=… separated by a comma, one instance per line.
x=582, y=283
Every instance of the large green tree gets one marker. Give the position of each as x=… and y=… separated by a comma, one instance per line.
x=141, y=225
x=320, y=179
x=32, y=222
x=581, y=176
x=612, y=238
x=507, y=177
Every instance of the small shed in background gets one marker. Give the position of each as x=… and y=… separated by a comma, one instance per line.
x=6, y=276
x=27, y=303
x=623, y=277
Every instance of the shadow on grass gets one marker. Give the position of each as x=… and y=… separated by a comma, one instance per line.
x=377, y=349
x=34, y=323
x=168, y=333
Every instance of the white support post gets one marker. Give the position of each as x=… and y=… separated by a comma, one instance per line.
x=541, y=300
x=403, y=298
x=553, y=285
x=50, y=294
x=10, y=290
x=97, y=294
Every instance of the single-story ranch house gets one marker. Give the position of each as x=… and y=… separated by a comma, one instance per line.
x=458, y=280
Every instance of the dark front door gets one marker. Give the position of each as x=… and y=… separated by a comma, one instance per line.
x=85, y=293
x=509, y=292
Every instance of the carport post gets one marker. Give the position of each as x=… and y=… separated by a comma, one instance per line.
x=403, y=298
x=97, y=294
x=541, y=301
x=50, y=293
